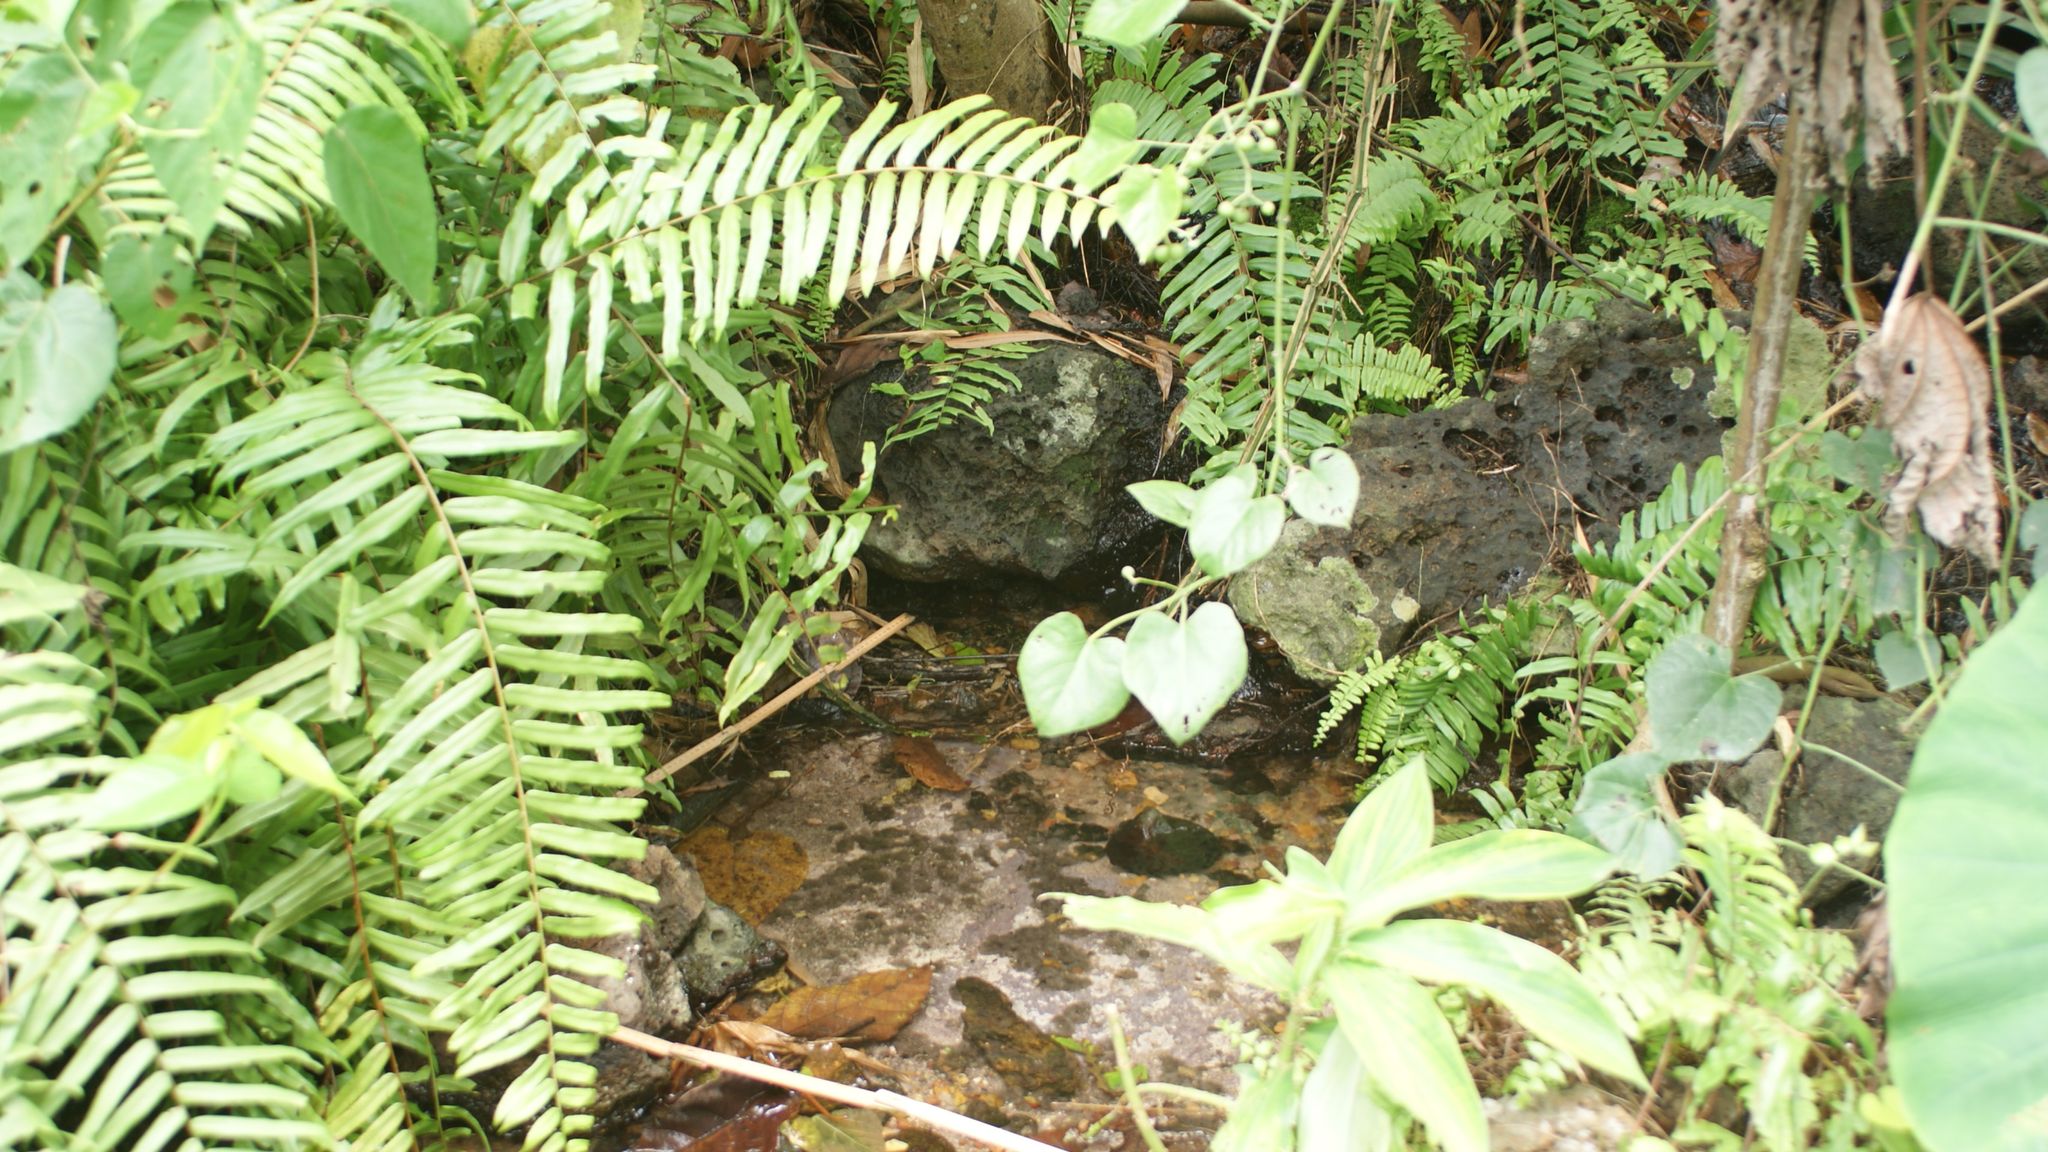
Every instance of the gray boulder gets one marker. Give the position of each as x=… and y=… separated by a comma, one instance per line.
x=1462, y=506
x=1042, y=495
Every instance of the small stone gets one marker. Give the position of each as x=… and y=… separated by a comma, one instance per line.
x=724, y=955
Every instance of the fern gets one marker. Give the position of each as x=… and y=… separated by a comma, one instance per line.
x=1745, y=985
x=1440, y=703
x=133, y=1017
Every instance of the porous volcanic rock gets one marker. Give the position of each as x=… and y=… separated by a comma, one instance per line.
x=1462, y=506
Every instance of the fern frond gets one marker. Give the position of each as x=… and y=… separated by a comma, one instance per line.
x=751, y=208
x=130, y=1013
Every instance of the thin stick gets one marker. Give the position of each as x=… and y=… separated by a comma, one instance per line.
x=884, y=1101
x=713, y=743
x=1745, y=531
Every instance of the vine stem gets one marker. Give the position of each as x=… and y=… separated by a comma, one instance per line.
x=879, y=1101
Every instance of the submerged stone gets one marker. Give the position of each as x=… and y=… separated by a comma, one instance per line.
x=1155, y=844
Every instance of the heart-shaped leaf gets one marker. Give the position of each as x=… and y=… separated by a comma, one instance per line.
x=1071, y=681
x=1231, y=528
x=1111, y=142
x=1907, y=658
x=1128, y=23
x=1169, y=500
x=1617, y=812
x=1698, y=711
x=61, y=361
x=1184, y=672
x=1145, y=202
x=1325, y=492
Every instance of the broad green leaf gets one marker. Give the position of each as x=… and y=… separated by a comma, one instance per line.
x=1265, y=1109
x=377, y=175
x=284, y=744
x=1546, y=995
x=1111, y=142
x=1338, y=1112
x=1185, y=671
x=1907, y=657
x=1270, y=912
x=197, y=109
x=1391, y=827
x=1407, y=1051
x=247, y=778
x=2030, y=83
x=1230, y=527
x=147, y=792
x=1129, y=23
x=1071, y=681
x=1250, y=959
x=50, y=131
x=2033, y=529
x=1698, y=711
x=60, y=360
x=1519, y=864
x=1146, y=202
x=1325, y=492
x=1616, y=810
x=1169, y=500
x=1966, y=861
x=449, y=21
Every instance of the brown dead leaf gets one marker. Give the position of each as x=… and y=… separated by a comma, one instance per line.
x=749, y=52
x=1833, y=681
x=1724, y=296
x=920, y=96
x=2037, y=431
x=751, y=875
x=924, y=762
x=1933, y=391
x=872, y=1006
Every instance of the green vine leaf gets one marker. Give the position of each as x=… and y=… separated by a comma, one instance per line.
x=2030, y=83
x=1325, y=492
x=1071, y=681
x=59, y=358
x=1129, y=23
x=378, y=178
x=1146, y=203
x=1617, y=811
x=1698, y=711
x=198, y=105
x=1185, y=671
x=1169, y=500
x=1230, y=528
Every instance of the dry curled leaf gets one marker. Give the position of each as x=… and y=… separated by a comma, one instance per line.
x=925, y=763
x=1933, y=393
x=872, y=1006
x=751, y=875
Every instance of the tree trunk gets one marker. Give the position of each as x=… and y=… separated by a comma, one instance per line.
x=1001, y=47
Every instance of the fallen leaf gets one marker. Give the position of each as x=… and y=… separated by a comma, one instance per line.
x=752, y=875
x=844, y=1130
x=2037, y=431
x=924, y=762
x=872, y=1006
x=1933, y=392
